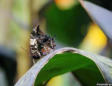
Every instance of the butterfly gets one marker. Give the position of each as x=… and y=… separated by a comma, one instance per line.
x=41, y=44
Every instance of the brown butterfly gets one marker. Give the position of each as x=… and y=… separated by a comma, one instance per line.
x=41, y=44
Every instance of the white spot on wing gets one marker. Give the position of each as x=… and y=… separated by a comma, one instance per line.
x=32, y=41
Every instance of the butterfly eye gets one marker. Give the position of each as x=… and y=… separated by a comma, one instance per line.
x=52, y=39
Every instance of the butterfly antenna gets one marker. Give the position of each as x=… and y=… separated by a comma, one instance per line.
x=38, y=28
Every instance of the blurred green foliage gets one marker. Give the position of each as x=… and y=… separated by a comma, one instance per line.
x=69, y=26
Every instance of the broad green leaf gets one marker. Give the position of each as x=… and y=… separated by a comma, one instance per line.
x=89, y=69
x=68, y=24
x=100, y=15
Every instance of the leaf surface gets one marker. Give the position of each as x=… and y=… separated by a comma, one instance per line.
x=90, y=69
x=99, y=15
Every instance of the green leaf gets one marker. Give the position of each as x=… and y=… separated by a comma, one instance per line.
x=89, y=69
x=99, y=15
x=68, y=24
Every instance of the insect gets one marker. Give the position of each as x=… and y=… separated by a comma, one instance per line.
x=41, y=44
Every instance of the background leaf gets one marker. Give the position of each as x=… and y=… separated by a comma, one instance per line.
x=100, y=15
x=103, y=3
x=67, y=24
